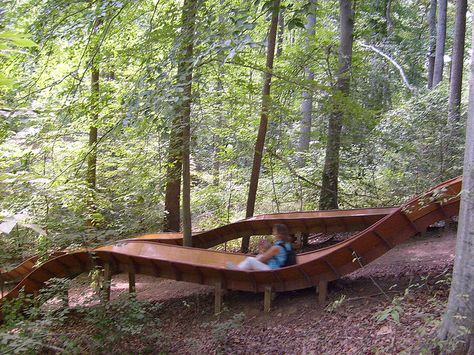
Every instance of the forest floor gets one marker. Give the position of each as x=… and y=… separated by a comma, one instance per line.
x=409, y=284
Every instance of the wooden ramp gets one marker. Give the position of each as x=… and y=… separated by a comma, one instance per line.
x=305, y=222
x=148, y=255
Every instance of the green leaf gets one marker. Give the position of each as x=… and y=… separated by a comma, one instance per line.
x=395, y=316
x=24, y=42
x=4, y=81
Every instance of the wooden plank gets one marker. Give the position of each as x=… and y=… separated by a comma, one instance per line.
x=332, y=268
x=443, y=212
x=305, y=225
x=65, y=266
x=177, y=273
x=322, y=292
x=305, y=275
x=199, y=273
x=411, y=223
x=267, y=299
x=156, y=268
x=383, y=239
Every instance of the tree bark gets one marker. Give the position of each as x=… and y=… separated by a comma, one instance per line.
x=93, y=132
x=91, y=177
x=262, y=129
x=171, y=221
x=216, y=164
x=458, y=321
x=281, y=33
x=178, y=149
x=455, y=84
x=185, y=77
x=432, y=48
x=440, y=42
x=388, y=18
x=329, y=186
x=307, y=103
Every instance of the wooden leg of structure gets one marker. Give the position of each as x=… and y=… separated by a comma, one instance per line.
x=131, y=281
x=2, y=285
x=322, y=292
x=107, y=281
x=267, y=299
x=304, y=239
x=218, y=297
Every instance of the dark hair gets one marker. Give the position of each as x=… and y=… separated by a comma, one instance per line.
x=282, y=229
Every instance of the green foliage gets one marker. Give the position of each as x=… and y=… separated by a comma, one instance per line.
x=220, y=329
x=395, y=310
x=11, y=42
x=29, y=324
x=33, y=325
x=122, y=320
x=333, y=306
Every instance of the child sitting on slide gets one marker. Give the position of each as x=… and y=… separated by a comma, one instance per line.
x=271, y=256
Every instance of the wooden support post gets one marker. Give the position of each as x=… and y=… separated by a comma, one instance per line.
x=131, y=280
x=304, y=239
x=267, y=299
x=218, y=297
x=322, y=292
x=107, y=281
x=2, y=285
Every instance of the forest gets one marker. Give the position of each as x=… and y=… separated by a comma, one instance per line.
x=127, y=118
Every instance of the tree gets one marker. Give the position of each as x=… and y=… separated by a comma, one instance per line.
x=307, y=103
x=458, y=321
x=432, y=48
x=440, y=42
x=93, y=132
x=262, y=128
x=185, y=77
x=455, y=84
x=330, y=176
x=178, y=150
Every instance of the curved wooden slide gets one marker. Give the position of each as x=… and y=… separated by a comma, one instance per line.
x=147, y=256
x=311, y=222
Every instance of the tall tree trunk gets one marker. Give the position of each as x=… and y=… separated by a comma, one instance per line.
x=217, y=139
x=386, y=90
x=185, y=77
x=329, y=186
x=458, y=321
x=440, y=42
x=93, y=132
x=91, y=177
x=179, y=137
x=171, y=221
x=455, y=84
x=216, y=163
x=262, y=129
x=432, y=49
x=307, y=103
x=281, y=33
x=388, y=18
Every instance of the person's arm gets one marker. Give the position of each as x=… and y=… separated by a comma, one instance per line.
x=270, y=253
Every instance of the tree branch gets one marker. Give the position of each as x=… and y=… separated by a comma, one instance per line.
x=391, y=60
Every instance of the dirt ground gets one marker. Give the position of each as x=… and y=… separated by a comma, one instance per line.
x=410, y=280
